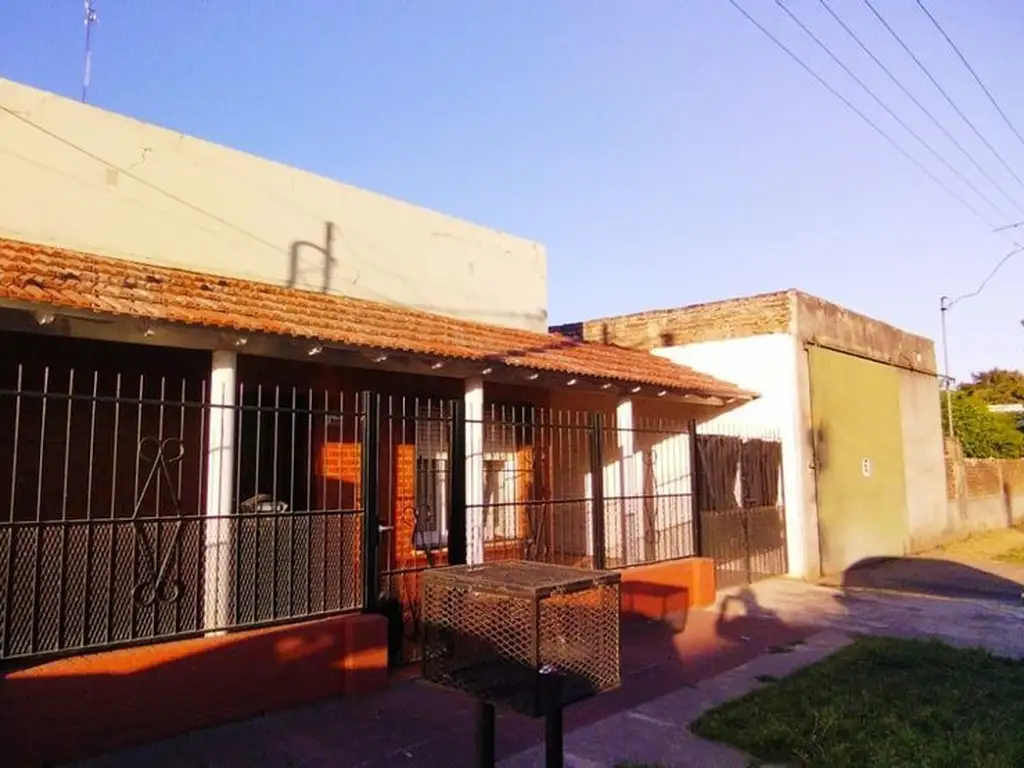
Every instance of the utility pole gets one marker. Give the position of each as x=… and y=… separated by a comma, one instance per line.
x=90, y=19
x=944, y=305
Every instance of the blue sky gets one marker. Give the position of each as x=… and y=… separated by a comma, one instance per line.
x=664, y=151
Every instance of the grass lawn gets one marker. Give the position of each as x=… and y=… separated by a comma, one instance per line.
x=884, y=702
x=1006, y=545
x=1015, y=555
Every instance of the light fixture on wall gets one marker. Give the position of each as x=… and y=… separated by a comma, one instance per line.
x=315, y=350
x=606, y=385
x=241, y=341
x=571, y=383
x=437, y=366
x=634, y=390
x=486, y=371
x=45, y=318
x=149, y=333
x=662, y=393
x=533, y=376
x=380, y=358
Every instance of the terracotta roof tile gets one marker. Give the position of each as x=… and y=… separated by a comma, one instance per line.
x=81, y=281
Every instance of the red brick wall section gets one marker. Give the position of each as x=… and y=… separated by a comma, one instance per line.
x=87, y=704
x=714, y=321
x=662, y=590
x=985, y=478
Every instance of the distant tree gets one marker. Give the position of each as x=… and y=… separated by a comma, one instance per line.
x=998, y=386
x=982, y=433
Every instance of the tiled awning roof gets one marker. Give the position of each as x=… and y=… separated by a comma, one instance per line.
x=79, y=281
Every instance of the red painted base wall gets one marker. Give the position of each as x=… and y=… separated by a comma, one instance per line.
x=661, y=590
x=88, y=704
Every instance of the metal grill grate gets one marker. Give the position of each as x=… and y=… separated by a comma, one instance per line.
x=527, y=636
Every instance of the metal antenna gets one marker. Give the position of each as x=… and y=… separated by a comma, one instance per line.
x=90, y=19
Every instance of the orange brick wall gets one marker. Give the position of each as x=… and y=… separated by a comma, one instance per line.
x=87, y=704
x=662, y=590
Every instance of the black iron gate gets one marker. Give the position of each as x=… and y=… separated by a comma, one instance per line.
x=740, y=504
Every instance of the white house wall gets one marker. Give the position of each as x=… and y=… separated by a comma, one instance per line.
x=83, y=178
x=769, y=365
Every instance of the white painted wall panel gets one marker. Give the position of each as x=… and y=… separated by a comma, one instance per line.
x=768, y=365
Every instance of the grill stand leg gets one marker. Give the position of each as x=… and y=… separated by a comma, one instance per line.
x=484, y=735
x=551, y=683
x=553, y=753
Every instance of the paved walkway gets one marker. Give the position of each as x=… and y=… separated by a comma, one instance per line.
x=993, y=624
x=657, y=732
x=669, y=679
x=412, y=724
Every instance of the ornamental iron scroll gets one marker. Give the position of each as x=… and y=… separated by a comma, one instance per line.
x=157, y=583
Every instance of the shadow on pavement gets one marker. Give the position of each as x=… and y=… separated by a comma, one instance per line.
x=413, y=723
x=929, y=576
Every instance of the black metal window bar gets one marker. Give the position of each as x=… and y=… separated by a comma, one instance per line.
x=105, y=533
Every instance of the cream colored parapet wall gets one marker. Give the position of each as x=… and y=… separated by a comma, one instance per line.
x=79, y=177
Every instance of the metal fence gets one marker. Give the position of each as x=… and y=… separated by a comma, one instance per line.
x=107, y=533
x=521, y=482
x=739, y=492
x=137, y=507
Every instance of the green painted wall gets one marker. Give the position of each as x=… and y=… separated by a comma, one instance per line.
x=855, y=407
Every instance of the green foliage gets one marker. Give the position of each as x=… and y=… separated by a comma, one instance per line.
x=997, y=386
x=982, y=433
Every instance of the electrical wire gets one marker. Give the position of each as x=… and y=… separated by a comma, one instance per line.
x=935, y=153
x=863, y=46
x=974, y=74
x=849, y=105
x=941, y=90
x=999, y=265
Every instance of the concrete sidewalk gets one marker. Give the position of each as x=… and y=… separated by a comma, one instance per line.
x=412, y=724
x=669, y=679
x=657, y=732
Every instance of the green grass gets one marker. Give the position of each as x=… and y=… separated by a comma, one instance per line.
x=884, y=702
x=1015, y=555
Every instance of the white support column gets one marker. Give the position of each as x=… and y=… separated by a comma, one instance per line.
x=473, y=407
x=220, y=464
x=630, y=526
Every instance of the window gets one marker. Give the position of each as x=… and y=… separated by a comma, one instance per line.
x=499, y=498
x=431, y=528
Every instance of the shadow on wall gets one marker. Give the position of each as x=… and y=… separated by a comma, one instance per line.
x=326, y=268
x=317, y=273
x=932, y=577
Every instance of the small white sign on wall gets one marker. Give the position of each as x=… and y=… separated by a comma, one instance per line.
x=865, y=467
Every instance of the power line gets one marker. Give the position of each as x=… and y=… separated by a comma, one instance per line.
x=938, y=156
x=920, y=106
x=977, y=78
x=942, y=91
x=999, y=265
x=849, y=105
